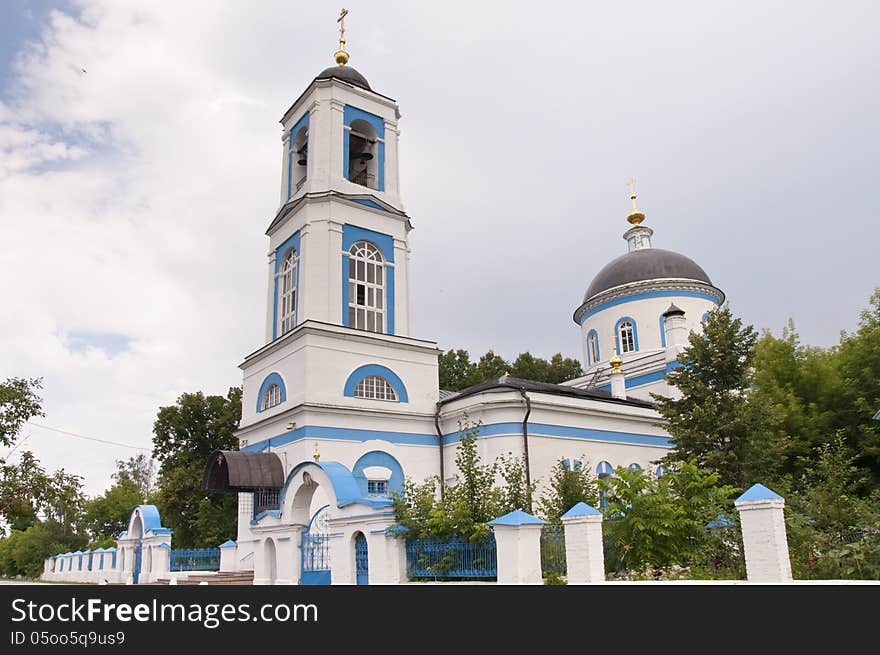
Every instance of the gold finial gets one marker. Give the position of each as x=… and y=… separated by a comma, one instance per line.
x=636, y=217
x=341, y=56
x=615, y=362
x=316, y=455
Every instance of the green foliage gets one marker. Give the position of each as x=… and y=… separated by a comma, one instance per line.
x=661, y=522
x=107, y=515
x=23, y=552
x=567, y=487
x=184, y=435
x=833, y=532
x=467, y=506
x=719, y=420
x=457, y=372
x=28, y=493
x=19, y=402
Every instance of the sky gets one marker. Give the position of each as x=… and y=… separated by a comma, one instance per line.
x=140, y=157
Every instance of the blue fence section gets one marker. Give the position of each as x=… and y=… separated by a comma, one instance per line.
x=195, y=559
x=451, y=559
x=553, y=549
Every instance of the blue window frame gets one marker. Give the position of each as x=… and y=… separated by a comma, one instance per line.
x=626, y=335
x=377, y=487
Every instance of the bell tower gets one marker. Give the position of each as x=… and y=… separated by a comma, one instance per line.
x=337, y=328
x=339, y=241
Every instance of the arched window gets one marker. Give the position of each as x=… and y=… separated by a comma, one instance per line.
x=271, y=397
x=375, y=387
x=366, y=287
x=661, y=471
x=592, y=347
x=362, y=160
x=286, y=285
x=634, y=467
x=626, y=336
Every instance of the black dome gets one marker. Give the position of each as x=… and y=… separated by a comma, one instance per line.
x=346, y=74
x=645, y=264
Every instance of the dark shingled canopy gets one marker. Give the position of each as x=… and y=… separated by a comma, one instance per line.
x=232, y=471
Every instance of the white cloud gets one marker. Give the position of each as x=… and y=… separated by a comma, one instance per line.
x=134, y=195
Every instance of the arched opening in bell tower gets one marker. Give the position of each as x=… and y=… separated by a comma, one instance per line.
x=362, y=160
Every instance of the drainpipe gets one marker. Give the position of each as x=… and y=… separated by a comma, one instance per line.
x=525, y=433
x=440, y=441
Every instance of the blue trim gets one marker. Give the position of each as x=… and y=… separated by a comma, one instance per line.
x=294, y=131
x=581, y=509
x=276, y=513
x=378, y=458
x=272, y=378
x=352, y=234
x=345, y=487
x=517, y=518
x=292, y=242
x=635, y=333
x=604, y=468
x=646, y=378
x=662, y=332
x=490, y=430
x=375, y=369
x=758, y=492
x=647, y=294
x=590, y=359
x=369, y=203
x=149, y=518
x=704, y=317
x=351, y=114
x=385, y=243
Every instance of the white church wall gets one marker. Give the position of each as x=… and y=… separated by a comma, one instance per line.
x=647, y=314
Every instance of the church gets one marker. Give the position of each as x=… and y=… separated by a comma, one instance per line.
x=341, y=402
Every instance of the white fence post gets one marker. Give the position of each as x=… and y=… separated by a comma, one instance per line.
x=584, y=554
x=764, y=539
x=518, y=543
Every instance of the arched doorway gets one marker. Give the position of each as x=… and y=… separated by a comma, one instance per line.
x=361, y=561
x=315, y=549
x=137, y=532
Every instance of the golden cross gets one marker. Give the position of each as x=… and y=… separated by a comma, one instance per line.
x=341, y=21
x=632, y=192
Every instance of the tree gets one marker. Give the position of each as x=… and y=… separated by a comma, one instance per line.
x=458, y=372
x=184, y=435
x=802, y=387
x=660, y=522
x=23, y=552
x=569, y=485
x=858, y=362
x=29, y=494
x=719, y=421
x=139, y=471
x=834, y=533
x=19, y=402
x=107, y=515
x=467, y=506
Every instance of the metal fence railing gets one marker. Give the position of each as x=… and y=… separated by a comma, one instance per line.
x=553, y=549
x=451, y=559
x=195, y=559
x=266, y=499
